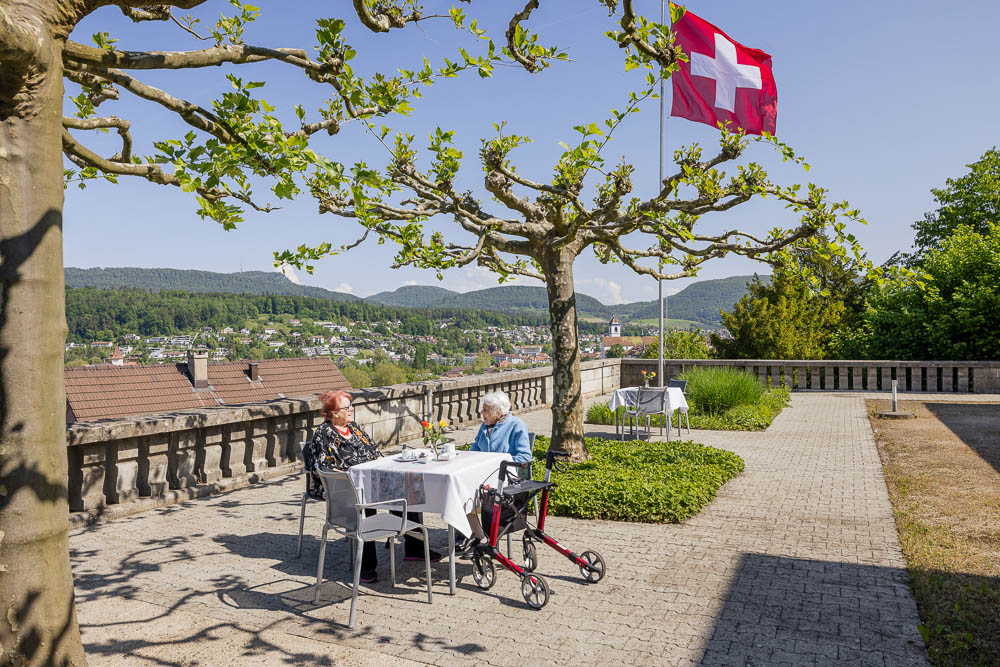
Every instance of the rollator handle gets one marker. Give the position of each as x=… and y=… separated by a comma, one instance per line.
x=550, y=457
x=511, y=464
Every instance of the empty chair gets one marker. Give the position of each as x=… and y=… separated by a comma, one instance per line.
x=345, y=513
x=305, y=497
x=649, y=401
x=682, y=385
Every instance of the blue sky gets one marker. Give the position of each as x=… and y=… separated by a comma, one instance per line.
x=885, y=100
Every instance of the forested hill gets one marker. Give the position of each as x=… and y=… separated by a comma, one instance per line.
x=698, y=302
x=416, y=296
x=509, y=298
x=156, y=280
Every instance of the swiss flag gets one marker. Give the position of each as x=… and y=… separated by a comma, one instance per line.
x=723, y=80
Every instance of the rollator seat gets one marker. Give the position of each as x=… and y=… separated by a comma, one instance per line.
x=526, y=486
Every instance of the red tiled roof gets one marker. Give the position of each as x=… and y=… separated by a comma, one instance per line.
x=103, y=392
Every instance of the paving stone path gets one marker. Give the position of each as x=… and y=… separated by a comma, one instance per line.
x=796, y=561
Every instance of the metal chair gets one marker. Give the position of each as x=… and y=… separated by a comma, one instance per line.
x=649, y=401
x=305, y=497
x=345, y=513
x=682, y=385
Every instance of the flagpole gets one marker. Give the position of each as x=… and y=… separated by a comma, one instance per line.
x=659, y=185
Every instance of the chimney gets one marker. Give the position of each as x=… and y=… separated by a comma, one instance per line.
x=198, y=368
x=253, y=372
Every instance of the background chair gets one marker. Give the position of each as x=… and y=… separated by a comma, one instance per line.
x=649, y=401
x=682, y=385
x=346, y=514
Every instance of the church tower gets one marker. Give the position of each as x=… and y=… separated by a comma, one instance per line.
x=614, y=327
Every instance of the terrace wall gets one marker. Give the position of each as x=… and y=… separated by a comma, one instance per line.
x=118, y=467
x=980, y=377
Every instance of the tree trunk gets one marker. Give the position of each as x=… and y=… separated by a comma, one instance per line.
x=38, y=622
x=567, y=399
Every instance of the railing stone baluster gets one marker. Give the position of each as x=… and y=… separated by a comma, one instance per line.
x=210, y=455
x=183, y=459
x=121, y=484
x=963, y=379
x=153, y=461
x=947, y=379
x=87, y=473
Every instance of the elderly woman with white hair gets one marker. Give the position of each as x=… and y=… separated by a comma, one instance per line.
x=501, y=431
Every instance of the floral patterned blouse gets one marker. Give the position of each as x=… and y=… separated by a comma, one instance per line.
x=331, y=450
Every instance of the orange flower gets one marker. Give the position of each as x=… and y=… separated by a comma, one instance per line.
x=425, y=424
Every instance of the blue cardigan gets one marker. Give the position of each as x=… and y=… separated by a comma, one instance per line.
x=509, y=436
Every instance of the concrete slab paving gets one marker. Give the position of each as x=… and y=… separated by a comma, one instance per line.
x=796, y=561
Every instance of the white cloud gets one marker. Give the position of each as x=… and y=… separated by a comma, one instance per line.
x=607, y=292
x=287, y=271
x=474, y=278
x=344, y=287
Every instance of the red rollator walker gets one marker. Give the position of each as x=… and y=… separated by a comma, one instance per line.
x=505, y=510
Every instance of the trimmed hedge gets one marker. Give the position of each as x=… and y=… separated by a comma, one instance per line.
x=650, y=482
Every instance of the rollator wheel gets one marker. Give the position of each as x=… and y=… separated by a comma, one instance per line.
x=535, y=590
x=595, y=572
x=530, y=554
x=484, y=572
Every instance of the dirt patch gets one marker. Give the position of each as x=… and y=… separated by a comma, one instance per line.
x=943, y=474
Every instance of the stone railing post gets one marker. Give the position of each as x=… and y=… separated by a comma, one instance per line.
x=87, y=475
x=153, y=463
x=210, y=455
x=121, y=484
x=183, y=459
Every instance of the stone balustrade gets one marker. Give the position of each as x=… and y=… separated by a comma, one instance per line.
x=121, y=466
x=923, y=376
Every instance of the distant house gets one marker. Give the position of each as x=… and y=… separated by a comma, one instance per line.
x=294, y=323
x=269, y=331
x=102, y=343
x=109, y=392
x=276, y=343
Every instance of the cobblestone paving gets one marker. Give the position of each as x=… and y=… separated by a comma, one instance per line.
x=797, y=561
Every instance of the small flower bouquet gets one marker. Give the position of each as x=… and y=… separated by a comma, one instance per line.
x=647, y=377
x=434, y=434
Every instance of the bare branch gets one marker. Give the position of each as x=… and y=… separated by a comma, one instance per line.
x=147, y=13
x=194, y=115
x=236, y=54
x=99, y=89
x=120, y=124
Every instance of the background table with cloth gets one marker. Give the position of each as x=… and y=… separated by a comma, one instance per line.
x=447, y=488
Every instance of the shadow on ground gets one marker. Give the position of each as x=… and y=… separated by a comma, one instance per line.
x=790, y=610
x=976, y=424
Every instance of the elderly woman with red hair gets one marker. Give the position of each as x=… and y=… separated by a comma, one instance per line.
x=338, y=444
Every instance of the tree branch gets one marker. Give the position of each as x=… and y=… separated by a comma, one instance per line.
x=236, y=54
x=120, y=124
x=388, y=18
x=527, y=61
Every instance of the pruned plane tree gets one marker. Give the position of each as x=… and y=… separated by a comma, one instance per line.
x=537, y=225
x=236, y=154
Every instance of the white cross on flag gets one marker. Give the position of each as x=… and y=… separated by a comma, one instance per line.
x=724, y=80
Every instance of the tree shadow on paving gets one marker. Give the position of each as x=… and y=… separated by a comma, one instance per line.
x=781, y=609
x=152, y=650
x=976, y=424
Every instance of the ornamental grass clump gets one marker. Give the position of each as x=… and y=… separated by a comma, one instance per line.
x=712, y=391
x=651, y=482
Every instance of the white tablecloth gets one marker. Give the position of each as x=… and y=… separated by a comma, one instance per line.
x=629, y=395
x=441, y=487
